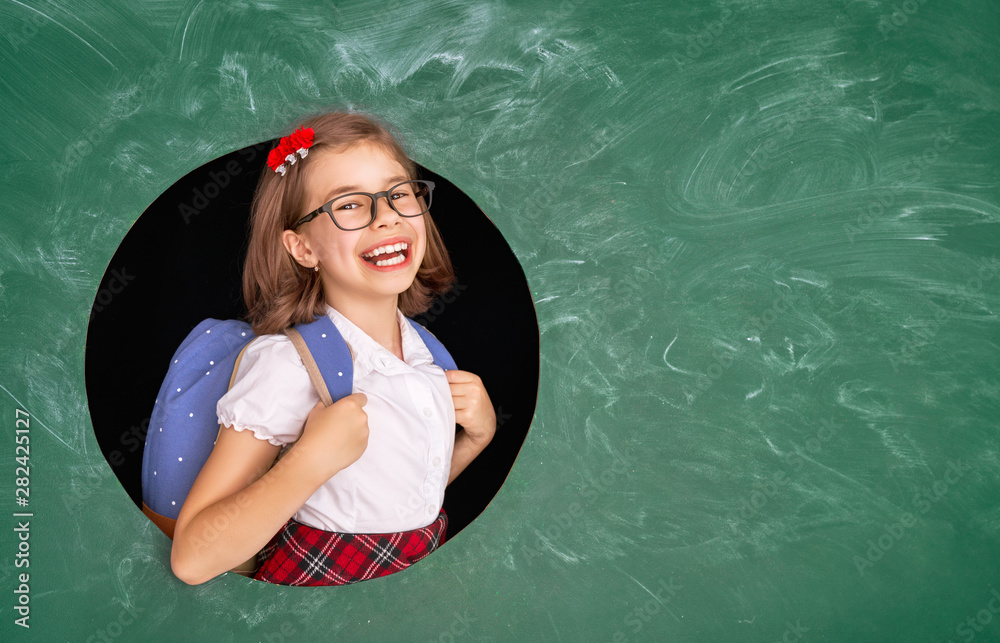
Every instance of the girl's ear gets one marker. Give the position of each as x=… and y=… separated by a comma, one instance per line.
x=299, y=249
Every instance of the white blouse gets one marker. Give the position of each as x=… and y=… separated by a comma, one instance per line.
x=398, y=483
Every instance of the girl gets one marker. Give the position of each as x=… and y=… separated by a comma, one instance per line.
x=339, y=228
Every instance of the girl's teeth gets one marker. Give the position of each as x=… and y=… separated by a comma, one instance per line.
x=384, y=249
x=391, y=262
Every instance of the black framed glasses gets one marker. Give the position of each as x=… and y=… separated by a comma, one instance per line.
x=357, y=210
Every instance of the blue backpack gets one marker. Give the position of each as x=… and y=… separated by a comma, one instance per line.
x=183, y=426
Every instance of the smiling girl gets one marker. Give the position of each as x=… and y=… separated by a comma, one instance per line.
x=341, y=227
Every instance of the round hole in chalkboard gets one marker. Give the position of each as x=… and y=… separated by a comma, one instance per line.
x=181, y=263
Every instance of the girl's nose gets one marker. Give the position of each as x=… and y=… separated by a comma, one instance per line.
x=384, y=214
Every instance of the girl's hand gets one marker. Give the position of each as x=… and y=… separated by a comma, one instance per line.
x=473, y=408
x=335, y=436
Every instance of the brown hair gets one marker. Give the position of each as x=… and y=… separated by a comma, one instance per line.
x=277, y=290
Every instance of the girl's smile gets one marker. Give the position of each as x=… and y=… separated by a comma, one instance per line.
x=389, y=254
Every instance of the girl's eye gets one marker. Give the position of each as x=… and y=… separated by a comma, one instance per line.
x=348, y=206
x=400, y=194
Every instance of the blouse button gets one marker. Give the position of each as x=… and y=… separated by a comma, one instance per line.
x=436, y=461
x=431, y=509
x=428, y=411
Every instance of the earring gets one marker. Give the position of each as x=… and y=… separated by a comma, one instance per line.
x=316, y=268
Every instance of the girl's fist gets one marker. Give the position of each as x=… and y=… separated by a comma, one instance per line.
x=473, y=408
x=335, y=436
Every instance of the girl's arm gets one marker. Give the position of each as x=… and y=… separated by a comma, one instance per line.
x=474, y=411
x=237, y=504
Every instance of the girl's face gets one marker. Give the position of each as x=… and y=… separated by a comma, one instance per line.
x=346, y=272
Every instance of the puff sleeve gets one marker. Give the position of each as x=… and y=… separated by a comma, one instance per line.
x=271, y=395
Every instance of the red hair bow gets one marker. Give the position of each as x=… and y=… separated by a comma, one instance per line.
x=282, y=156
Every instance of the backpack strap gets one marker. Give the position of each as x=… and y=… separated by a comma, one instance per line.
x=440, y=354
x=232, y=378
x=327, y=358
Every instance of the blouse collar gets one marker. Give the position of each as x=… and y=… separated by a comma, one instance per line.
x=370, y=356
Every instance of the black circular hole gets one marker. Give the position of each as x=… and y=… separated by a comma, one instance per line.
x=181, y=262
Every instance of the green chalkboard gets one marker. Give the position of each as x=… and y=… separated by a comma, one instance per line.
x=762, y=241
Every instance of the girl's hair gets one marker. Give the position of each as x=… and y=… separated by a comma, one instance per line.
x=277, y=290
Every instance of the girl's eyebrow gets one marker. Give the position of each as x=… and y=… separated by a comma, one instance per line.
x=344, y=189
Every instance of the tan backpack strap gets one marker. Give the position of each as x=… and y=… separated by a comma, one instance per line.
x=236, y=366
x=307, y=360
x=232, y=378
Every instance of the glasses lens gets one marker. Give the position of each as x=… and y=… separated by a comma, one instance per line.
x=352, y=211
x=411, y=199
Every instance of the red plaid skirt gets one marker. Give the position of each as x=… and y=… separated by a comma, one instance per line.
x=303, y=555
